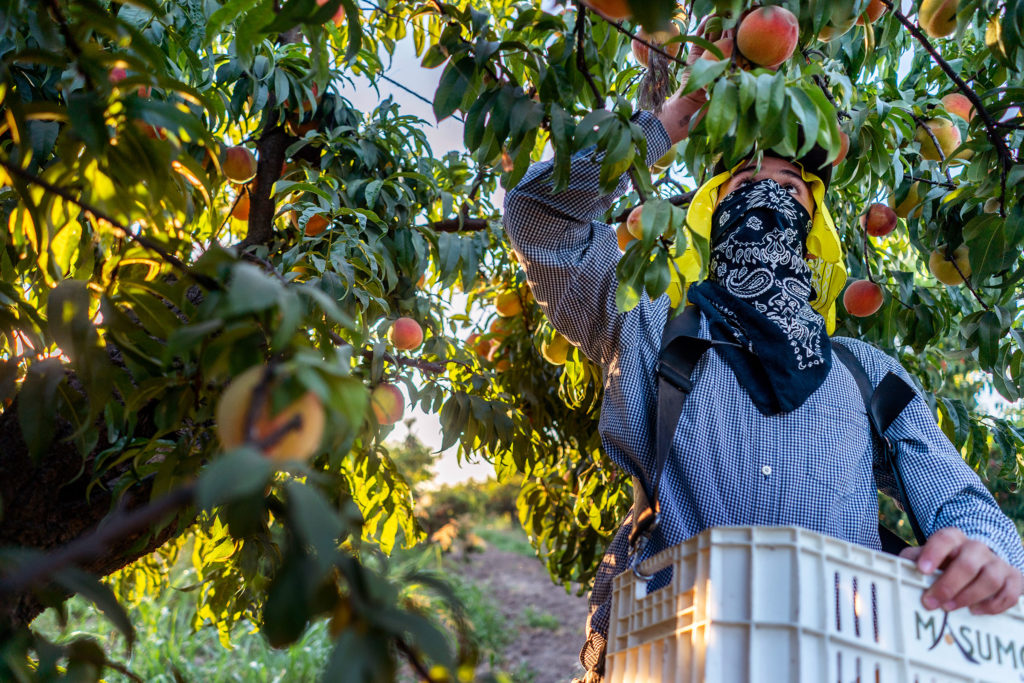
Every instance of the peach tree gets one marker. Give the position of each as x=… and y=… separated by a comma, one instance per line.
x=208, y=247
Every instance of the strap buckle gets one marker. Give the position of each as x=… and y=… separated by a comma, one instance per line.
x=679, y=380
x=639, y=542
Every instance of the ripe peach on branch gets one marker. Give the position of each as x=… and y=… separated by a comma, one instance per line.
x=945, y=132
x=878, y=221
x=768, y=35
x=405, y=334
x=862, y=298
x=239, y=165
x=616, y=10
x=293, y=433
x=950, y=269
x=387, y=403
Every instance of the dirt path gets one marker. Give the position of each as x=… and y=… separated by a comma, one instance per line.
x=547, y=622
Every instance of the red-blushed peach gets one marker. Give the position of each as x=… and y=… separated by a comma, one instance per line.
x=613, y=9
x=958, y=104
x=405, y=334
x=879, y=220
x=945, y=132
x=862, y=298
x=387, y=403
x=844, y=148
x=240, y=210
x=239, y=164
x=768, y=35
x=642, y=51
x=875, y=9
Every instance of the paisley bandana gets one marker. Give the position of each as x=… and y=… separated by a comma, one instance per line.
x=758, y=293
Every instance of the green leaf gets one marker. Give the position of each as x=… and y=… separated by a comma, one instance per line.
x=315, y=521
x=722, y=111
x=240, y=473
x=450, y=91
x=703, y=72
x=286, y=610
x=89, y=587
x=251, y=290
x=37, y=405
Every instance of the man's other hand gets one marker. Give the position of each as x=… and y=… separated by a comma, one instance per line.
x=972, y=575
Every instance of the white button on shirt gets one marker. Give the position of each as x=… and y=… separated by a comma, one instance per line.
x=766, y=470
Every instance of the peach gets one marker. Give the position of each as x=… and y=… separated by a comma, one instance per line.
x=482, y=347
x=878, y=221
x=945, y=132
x=723, y=44
x=623, y=236
x=556, y=351
x=500, y=329
x=615, y=10
x=508, y=303
x=642, y=51
x=634, y=223
x=937, y=18
x=316, y=224
x=405, y=334
x=958, y=105
x=941, y=265
x=844, y=148
x=906, y=208
x=862, y=298
x=239, y=165
x=241, y=208
x=339, y=16
x=874, y=10
x=298, y=443
x=387, y=403
x=118, y=74
x=768, y=35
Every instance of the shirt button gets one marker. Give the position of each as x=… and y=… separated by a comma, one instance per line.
x=766, y=470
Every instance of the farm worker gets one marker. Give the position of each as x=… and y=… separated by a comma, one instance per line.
x=782, y=441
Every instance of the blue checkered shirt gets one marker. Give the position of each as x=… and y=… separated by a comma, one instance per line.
x=815, y=467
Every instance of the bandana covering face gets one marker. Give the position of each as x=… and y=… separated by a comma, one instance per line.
x=758, y=293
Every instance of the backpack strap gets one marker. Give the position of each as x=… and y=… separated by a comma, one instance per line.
x=884, y=404
x=681, y=349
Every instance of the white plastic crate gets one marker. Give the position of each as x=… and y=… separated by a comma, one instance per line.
x=781, y=604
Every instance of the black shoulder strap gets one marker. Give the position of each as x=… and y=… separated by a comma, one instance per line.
x=681, y=349
x=883, y=404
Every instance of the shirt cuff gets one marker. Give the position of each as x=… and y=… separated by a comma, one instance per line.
x=658, y=142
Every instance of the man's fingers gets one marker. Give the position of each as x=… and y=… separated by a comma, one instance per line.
x=911, y=552
x=990, y=581
x=1004, y=599
x=940, y=547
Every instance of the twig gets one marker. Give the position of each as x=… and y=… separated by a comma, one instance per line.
x=966, y=279
x=203, y=280
x=678, y=200
x=461, y=224
x=823, y=84
x=418, y=363
x=581, y=58
x=938, y=147
x=990, y=124
x=657, y=48
x=951, y=186
x=636, y=185
x=414, y=661
x=119, y=525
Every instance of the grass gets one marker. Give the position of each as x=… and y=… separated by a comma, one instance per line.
x=540, y=619
x=165, y=642
x=500, y=533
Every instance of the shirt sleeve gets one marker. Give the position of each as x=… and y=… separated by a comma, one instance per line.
x=570, y=257
x=943, y=490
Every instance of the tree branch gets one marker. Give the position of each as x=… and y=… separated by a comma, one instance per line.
x=949, y=185
x=271, y=147
x=657, y=48
x=94, y=545
x=678, y=200
x=461, y=224
x=581, y=58
x=990, y=123
x=418, y=363
x=203, y=280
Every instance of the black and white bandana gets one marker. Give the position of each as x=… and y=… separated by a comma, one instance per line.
x=758, y=292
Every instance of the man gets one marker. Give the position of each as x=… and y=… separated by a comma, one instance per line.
x=777, y=437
